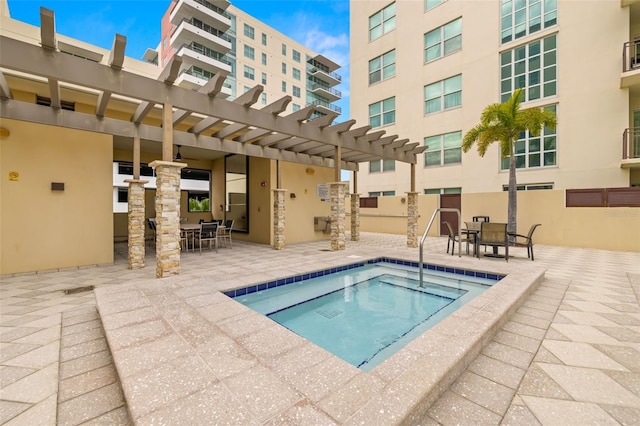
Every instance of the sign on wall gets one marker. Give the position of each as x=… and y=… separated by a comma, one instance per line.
x=322, y=192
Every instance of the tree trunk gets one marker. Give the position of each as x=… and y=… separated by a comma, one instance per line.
x=513, y=195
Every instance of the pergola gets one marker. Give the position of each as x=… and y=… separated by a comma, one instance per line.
x=190, y=118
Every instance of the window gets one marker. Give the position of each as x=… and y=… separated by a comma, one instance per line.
x=296, y=73
x=249, y=72
x=249, y=52
x=296, y=55
x=369, y=202
x=264, y=39
x=296, y=91
x=284, y=68
x=295, y=107
x=284, y=49
x=522, y=17
x=530, y=187
x=249, y=31
x=430, y=4
x=443, y=149
x=382, y=67
x=438, y=191
x=532, y=66
x=199, y=201
x=443, y=94
x=443, y=41
x=264, y=78
x=535, y=151
x=377, y=166
x=263, y=97
x=382, y=193
x=123, y=195
x=382, y=22
x=264, y=58
x=70, y=106
x=382, y=113
x=126, y=168
x=284, y=87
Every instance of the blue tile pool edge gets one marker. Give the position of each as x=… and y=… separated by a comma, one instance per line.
x=301, y=277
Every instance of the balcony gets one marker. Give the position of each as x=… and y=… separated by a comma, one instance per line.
x=202, y=57
x=328, y=93
x=194, y=80
x=202, y=10
x=326, y=106
x=193, y=30
x=630, y=64
x=631, y=148
x=330, y=77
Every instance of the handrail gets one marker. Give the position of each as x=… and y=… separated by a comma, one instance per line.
x=424, y=236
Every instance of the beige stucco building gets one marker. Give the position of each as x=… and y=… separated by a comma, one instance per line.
x=427, y=69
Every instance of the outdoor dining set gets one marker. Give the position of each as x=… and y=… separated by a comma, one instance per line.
x=482, y=232
x=215, y=234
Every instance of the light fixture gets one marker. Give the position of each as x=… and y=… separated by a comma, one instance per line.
x=178, y=155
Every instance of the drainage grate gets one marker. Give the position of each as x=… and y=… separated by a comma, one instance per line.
x=330, y=313
x=78, y=289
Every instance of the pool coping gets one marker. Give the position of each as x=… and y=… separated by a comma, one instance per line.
x=210, y=341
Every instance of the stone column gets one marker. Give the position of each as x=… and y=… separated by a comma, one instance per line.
x=355, y=217
x=412, y=219
x=136, y=225
x=167, y=217
x=278, y=218
x=337, y=191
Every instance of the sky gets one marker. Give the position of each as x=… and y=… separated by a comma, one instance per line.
x=321, y=25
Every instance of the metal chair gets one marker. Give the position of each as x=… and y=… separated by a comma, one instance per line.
x=208, y=232
x=526, y=240
x=494, y=235
x=453, y=238
x=225, y=233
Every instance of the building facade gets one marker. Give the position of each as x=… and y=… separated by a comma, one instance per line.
x=214, y=37
x=428, y=68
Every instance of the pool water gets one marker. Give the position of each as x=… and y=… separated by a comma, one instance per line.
x=366, y=313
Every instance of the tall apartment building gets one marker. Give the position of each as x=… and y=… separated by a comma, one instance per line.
x=215, y=37
x=426, y=70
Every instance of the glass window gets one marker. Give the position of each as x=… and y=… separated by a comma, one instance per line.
x=284, y=49
x=377, y=166
x=295, y=107
x=264, y=39
x=264, y=78
x=382, y=22
x=430, y=4
x=382, y=67
x=284, y=68
x=443, y=94
x=296, y=73
x=249, y=72
x=264, y=58
x=249, y=31
x=296, y=55
x=123, y=195
x=296, y=91
x=443, y=40
x=264, y=98
x=249, y=52
x=198, y=201
x=443, y=149
x=284, y=86
x=382, y=113
x=533, y=67
x=519, y=18
x=535, y=151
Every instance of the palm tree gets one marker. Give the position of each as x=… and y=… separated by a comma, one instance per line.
x=503, y=123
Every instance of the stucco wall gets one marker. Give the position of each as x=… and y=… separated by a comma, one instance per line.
x=43, y=229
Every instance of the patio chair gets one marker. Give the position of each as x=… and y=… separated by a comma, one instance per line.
x=494, y=235
x=208, y=232
x=525, y=240
x=225, y=233
x=453, y=238
x=152, y=225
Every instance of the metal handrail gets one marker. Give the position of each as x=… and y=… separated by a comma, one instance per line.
x=424, y=236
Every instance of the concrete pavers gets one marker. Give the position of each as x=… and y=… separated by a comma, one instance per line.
x=593, y=336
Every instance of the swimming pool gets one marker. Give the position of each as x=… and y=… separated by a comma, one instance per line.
x=365, y=312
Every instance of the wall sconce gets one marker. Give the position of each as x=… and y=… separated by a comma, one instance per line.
x=4, y=132
x=221, y=207
x=403, y=200
x=292, y=195
x=263, y=183
x=309, y=171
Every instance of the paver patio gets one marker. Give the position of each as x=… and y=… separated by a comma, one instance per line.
x=570, y=354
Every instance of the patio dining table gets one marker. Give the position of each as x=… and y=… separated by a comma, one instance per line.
x=190, y=229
